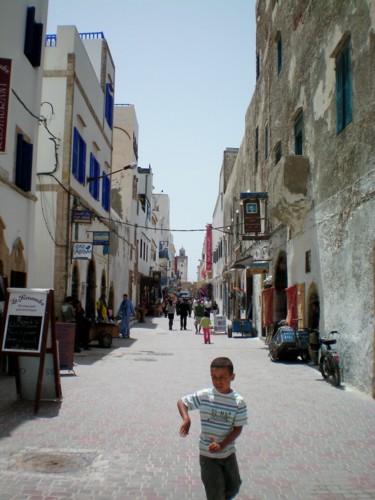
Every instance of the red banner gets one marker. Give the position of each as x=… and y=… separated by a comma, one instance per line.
x=209, y=247
x=5, y=70
x=291, y=297
x=267, y=296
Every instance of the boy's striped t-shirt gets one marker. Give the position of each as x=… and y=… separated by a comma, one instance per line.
x=219, y=414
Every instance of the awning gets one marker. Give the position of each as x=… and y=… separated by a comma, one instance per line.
x=255, y=266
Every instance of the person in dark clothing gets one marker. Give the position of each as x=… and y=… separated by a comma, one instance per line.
x=82, y=326
x=183, y=310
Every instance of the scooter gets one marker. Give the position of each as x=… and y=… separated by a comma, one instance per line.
x=289, y=344
x=329, y=362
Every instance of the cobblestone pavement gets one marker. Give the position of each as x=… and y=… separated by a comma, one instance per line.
x=115, y=434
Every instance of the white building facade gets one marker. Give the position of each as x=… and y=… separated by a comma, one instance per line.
x=74, y=217
x=22, y=31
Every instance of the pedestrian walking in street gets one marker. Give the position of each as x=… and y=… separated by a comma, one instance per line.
x=206, y=326
x=207, y=307
x=171, y=309
x=215, y=312
x=125, y=313
x=198, y=314
x=183, y=309
x=223, y=413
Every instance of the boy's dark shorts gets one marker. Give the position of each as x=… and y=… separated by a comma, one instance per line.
x=220, y=476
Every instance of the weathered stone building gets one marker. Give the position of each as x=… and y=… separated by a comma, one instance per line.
x=309, y=147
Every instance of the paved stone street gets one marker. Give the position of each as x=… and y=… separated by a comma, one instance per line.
x=115, y=434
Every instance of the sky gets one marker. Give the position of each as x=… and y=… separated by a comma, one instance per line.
x=188, y=66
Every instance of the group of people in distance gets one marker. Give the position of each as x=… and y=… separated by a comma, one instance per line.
x=202, y=314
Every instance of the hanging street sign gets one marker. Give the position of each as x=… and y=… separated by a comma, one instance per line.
x=100, y=238
x=82, y=251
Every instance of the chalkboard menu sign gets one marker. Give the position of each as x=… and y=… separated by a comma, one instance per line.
x=23, y=331
x=28, y=332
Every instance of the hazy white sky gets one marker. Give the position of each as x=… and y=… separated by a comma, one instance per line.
x=188, y=66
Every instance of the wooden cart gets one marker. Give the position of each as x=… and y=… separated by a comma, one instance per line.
x=243, y=326
x=103, y=333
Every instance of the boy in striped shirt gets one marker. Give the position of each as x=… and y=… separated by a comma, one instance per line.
x=223, y=413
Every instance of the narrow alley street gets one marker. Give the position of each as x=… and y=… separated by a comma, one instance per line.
x=115, y=434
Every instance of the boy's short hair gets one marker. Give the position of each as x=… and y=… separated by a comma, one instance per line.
x=223, y=363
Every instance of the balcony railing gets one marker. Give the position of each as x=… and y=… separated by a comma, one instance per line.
x=51, y=40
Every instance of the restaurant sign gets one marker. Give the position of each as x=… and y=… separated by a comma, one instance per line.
x=5, y=72
x=251, y=215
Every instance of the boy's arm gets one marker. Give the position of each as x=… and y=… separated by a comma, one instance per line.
x=186, y=422
x=215, y=447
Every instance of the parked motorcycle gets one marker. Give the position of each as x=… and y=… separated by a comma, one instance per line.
x=288, y=344
x=329, y=362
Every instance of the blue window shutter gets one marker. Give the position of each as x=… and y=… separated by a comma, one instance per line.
x=33, y=38
x=37, y=45
x=24, y=163
x=75, y=153
x=339, y=94
x=29, y=32
x=343, y=89
x=28, y=166
x=95, y=173
x=82, y=162
x=109, y=104
x=279, y=55
x=106, y=193
x=347, y=86
x=92, y=174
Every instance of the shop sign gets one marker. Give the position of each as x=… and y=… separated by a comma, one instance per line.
x=251, y=215
x=82, y=251
x=82, y=216
x=259, y=267
x=5, y=72
x=100, y=238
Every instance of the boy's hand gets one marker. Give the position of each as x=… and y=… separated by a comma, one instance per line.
x=185, y=426
x=214, y=446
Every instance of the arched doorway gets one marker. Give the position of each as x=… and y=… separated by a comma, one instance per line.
x=111, y=299
x=90, y=290
x=75, y=282
x=313, y=308
x=313, y=317
x=103, y=284
x=280, y=284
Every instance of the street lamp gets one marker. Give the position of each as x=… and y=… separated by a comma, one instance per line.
x=130, y=166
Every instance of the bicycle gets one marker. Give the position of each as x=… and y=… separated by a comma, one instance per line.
x=329, y=362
